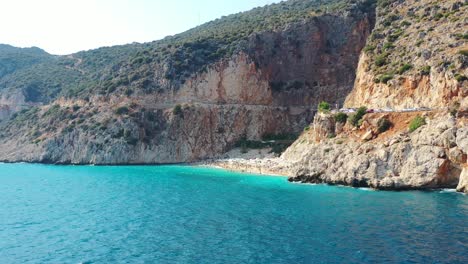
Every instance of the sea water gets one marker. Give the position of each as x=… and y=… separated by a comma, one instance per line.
x=182, y=214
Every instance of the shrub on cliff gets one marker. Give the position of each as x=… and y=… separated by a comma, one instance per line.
x=177, y=110
x=416, y=123
x=384, y=124
x=123, y=110
x=385, y=78
x=324, y=107
x=356, y=118
x=461, y=36
x=426, y=70
x=388, y=46
x=460, y=78
x=381, y=60
x=52, y=111
x=127, y=135
x=281, y=137
x=75, y=108
x=369, y=48
x=404, y=68
x=454, y=108
x=341, y=118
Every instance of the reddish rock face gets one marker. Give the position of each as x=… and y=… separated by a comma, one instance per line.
x=306, y=63
x=314, y=61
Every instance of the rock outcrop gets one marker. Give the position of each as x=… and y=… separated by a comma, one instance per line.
x=431, y=157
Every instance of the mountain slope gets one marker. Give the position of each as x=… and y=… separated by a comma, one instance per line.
x=13, y=59
x=190, y=96
x=417, y=56
x=108, y=70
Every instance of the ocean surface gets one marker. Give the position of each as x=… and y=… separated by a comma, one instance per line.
x=178, y=214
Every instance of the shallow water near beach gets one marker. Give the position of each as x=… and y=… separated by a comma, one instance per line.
x=181, y=214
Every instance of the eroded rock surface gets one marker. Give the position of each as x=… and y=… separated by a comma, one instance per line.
x=271, y=88
x=431, y=157
x=415, y=57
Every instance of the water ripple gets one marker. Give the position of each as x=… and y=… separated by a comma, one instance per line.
x=54, y=214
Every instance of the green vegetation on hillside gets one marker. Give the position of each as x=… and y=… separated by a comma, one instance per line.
x=414, y=33
x=356, y=119
x=383, y=124
x=324, y=107
x=145, y=68
x=13, y=59
x=277, y=142
x=416, y=123
x=341, y=118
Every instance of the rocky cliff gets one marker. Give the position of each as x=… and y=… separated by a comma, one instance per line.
x=417, y=56
x=433, y=156
x=375, y=155
x=154, y=108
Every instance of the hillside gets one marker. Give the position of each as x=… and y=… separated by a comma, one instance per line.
x=417, y=56
x=115, y=70
x=14, y=59
x=190, y=96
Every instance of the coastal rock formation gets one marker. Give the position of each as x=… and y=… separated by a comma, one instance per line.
x=417, y=56
x=463, y=184
x=159, y=109
x=433, y=156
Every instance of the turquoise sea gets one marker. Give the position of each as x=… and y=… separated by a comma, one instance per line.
x=179, y=214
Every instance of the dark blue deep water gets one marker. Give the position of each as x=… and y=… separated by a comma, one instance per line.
x=176, y=214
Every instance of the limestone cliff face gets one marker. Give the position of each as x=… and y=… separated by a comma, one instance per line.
x=433, y=156
x=300, y=66
x=198, y=131
x=271, y=88
x=415, y=57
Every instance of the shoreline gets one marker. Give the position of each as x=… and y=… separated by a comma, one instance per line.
x=260, y=166
x=256, y=167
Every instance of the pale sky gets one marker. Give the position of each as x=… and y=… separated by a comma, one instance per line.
x=68, y=26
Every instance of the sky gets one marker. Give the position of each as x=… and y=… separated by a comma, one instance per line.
x=67, y=26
